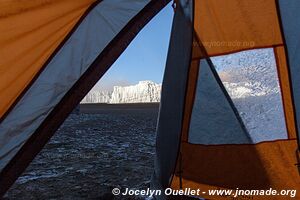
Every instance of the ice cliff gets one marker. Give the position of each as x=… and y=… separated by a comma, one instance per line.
x=143, y=92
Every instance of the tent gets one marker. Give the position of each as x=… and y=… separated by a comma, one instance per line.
x=53, y=52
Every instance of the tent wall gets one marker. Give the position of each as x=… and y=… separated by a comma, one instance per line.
x=173, y=96
x=219, y=154
x=212, y=158
x=64, y=82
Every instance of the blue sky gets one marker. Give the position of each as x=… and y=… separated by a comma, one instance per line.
x=145, y=57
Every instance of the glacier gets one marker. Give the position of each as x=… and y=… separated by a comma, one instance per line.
x=143, y=92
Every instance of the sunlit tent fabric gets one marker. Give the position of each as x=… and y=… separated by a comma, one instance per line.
x=52, y=52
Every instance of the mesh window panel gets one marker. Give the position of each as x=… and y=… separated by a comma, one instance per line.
x=250, y=78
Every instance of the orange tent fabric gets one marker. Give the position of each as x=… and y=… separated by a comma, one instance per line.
x=30, y=31
x=258, y=167
x=235, y=25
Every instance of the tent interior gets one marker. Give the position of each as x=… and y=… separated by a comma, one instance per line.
x=208, y=137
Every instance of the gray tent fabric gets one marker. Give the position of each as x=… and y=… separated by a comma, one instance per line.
x=290, y=17
x=213, y=121
x=101, y=25
x=173, y=96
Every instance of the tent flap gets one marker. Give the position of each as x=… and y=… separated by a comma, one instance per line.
x=67, y=78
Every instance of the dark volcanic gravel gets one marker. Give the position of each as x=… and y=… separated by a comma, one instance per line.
x=93, y=152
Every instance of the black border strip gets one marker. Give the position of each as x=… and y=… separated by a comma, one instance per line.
x=289, y=71
x=57, y=49
x=61, y=111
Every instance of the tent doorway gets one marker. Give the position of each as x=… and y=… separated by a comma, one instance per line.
x=110, y=140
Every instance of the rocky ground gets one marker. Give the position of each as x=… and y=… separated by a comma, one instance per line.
x=93, y=152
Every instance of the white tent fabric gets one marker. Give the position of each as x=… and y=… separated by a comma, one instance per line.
x=172, y=99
